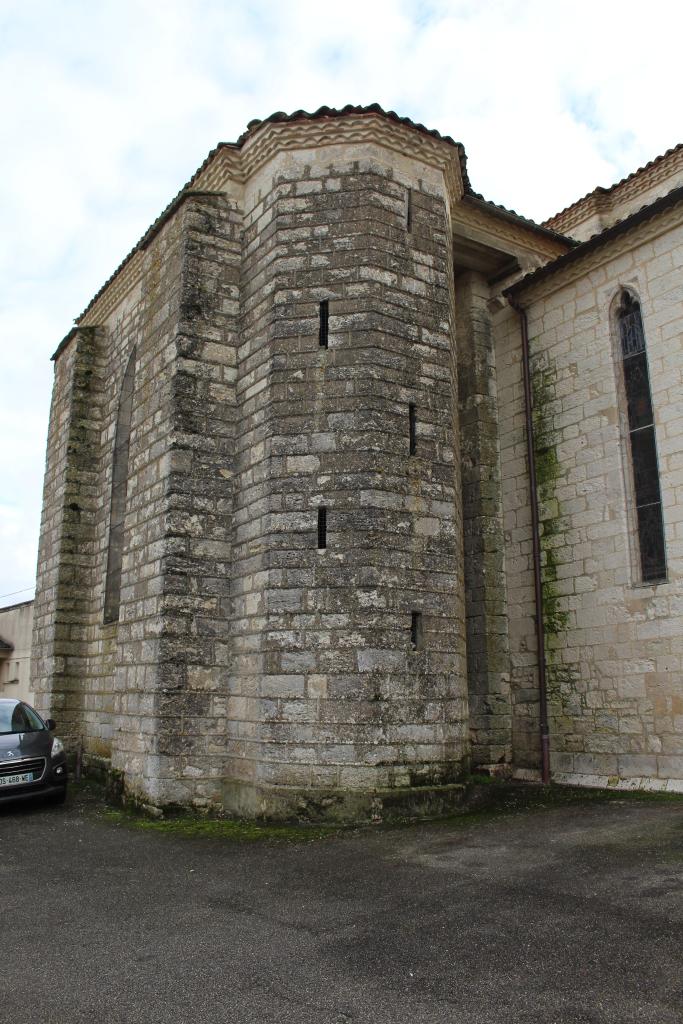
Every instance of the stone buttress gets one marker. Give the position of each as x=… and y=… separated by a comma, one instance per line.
x=333, y=697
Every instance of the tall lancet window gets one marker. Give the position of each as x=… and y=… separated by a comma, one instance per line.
x=119, y=490
x=641, y=427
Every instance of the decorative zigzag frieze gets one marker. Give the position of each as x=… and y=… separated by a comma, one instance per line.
x=607, y=199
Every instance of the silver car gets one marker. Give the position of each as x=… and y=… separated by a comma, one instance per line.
x=32, y=760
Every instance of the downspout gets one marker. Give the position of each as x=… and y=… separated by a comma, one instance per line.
x=536, y=546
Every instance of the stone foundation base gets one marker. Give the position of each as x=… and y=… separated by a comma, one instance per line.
x=645, y=783
x=281, y=803
x=284, y=803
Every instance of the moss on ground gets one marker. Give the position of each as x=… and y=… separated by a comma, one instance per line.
x=511, y=797
x=487, y=798
x=232, y=829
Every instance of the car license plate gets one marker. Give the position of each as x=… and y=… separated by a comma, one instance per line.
x=16, y=780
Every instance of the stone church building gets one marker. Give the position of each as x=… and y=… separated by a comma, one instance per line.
x=357, y=482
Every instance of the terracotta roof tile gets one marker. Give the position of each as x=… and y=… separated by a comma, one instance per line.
x=645, y=213
x=601, y=190
x=299, y=115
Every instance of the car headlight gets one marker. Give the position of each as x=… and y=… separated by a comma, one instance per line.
x=57, y=747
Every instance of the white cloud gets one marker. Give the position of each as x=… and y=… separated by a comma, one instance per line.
x=110, y=107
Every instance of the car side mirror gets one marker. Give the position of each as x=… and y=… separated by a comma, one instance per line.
x=51, y=724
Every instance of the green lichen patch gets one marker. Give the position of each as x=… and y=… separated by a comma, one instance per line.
x=491, y=798
x=552, y=526
x=231, y=829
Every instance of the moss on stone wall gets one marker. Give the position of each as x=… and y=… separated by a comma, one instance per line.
x=560, y=675
x=547, y=475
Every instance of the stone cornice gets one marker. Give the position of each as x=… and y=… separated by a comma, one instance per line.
x=235, y=163
x=355, y=129
x=596, y=203
x=276, y=137
x=514, y=232
x=605, y=199
x=225, y=165
x=602, y=248
x=228, y=164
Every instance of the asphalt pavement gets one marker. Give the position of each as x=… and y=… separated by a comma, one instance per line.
x=564, y=915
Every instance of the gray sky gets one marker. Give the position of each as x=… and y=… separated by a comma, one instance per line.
x=108, y=106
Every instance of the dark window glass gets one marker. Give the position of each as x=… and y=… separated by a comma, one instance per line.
x=16, y=717
x=645, y=473
x=643, y=443
x=651, y=538
x=637, y=384
x=630, y=327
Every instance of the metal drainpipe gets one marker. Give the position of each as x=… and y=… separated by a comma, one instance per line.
x=536, y=545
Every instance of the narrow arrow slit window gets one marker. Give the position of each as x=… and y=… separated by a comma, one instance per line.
x=322, y=528
x=412, y=429
x=324, y=327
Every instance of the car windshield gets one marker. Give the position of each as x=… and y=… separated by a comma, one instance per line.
x=18, y=718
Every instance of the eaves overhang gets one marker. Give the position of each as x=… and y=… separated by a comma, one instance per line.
x=617, y=230
x=251, y=140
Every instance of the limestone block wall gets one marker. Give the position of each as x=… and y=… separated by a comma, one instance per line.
x=249, y=667
x=67, y=559
x=327, y=694
x=85, y=695
x=46, y=658
x=150, y=686
x=615, y=646
x=120, y=724
x=102, y=680
x=488, y=655
x=193, y=657
x=517, y=543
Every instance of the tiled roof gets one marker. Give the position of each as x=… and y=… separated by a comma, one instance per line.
x=374, y=108
x=605, y=191
x=154, y=228
x=645, y=213
x=503, y=211
x=300, y=115
x=391, y=115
